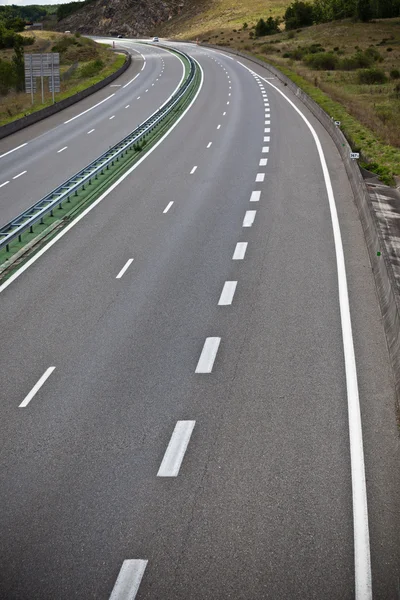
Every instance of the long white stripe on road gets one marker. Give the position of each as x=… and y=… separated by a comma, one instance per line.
x=19, y=174
x=129, y=82
x=166, y=209
x=36, y=387
x=362, y=553
x=13, y=150
x=88, y=110
x=228, y=291
x=129, y=578
x=124, y=268
x=173, y=457
x=255, y=196
x=240, y=251
x=112, y=187
x=208, y=354
x=249, y=218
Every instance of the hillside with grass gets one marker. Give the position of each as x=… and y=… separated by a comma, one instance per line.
x=351, y=68
x=82, y=64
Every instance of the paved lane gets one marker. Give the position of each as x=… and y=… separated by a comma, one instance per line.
x=261, y=504
x=60, y=146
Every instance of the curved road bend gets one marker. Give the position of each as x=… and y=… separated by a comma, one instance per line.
x=58, y=147
x=216, y=255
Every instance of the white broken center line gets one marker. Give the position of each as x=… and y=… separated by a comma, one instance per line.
x=208, y=355
x=176, y=449
x=62, y=149
x=240, y=251
x=128, y=581
x=166, y=209
x=249, y=218
x=36, y=387
x=228, y=291
x=124, y=268
x=19, y=174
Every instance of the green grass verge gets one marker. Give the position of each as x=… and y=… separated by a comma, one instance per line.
x=76, y=204
x=378, y=157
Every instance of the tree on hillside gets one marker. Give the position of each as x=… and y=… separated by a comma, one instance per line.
x=299, y=14
x=267, y=27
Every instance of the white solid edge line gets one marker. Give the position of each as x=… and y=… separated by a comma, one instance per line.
x=129, y=82
x=362, y=553
x=30, y=262
x=173, y=457
x=88, y=110
x=249, y=218
x=255, y=196
x=260, y=177
x=36, y=387
x=193, y=170
x=166, y=209
x=208, y=354
x=124, y=268
x=228, y=291
x=19, y=174
x=5, y=183
x=240, y=251
x=128, y=580
x=13, y=150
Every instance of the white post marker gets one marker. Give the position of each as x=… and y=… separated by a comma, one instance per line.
x=176, y=449
x=36, y=387
x=362, y=553
x=128, y=581
x=228, y=291
x=208, y=355
x=240, y=251
x=124, y=268
x=249, y=218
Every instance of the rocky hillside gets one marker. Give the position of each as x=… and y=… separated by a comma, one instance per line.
x=128, y=17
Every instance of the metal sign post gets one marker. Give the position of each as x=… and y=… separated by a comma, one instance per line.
x=42, y=65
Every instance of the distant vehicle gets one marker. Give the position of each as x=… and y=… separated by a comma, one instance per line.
x=120, y=35
x=67, y=31
x=155, y=39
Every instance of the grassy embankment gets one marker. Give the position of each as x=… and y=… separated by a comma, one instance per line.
x=369, y=112
x=82, y=64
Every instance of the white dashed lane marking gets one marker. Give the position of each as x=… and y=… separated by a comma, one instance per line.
x=228, y=291
x=255, y=196
x=240, y=251
x=176, y=449
x=249, y=218
x=208, y=355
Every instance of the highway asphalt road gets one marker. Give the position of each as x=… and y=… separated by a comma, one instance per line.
x=173, y=376
x=39, y=158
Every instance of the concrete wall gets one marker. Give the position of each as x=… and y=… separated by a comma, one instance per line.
x=19, y=124
x=381, y=265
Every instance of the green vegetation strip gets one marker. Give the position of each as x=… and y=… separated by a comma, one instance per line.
x=377, y=157
x=68, y=210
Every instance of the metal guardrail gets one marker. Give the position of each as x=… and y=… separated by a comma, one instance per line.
x=37, y=211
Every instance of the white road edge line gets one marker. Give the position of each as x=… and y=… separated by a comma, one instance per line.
x=124, y=268
x=129, y=82
x=34, y=258
x=19, y=174
x=240, y=251
x=208, y=354
x=128, y=580
x=249, y=218
x=36, y=387
x=362, y=552
x=13, y=150
x=228, y=291
x=88, y=110
x=173, y=457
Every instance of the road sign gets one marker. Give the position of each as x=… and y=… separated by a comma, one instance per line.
x=42, y=65
x=354, y=155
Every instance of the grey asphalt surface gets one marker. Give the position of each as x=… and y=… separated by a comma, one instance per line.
x=262, y=505
x=46, y=167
